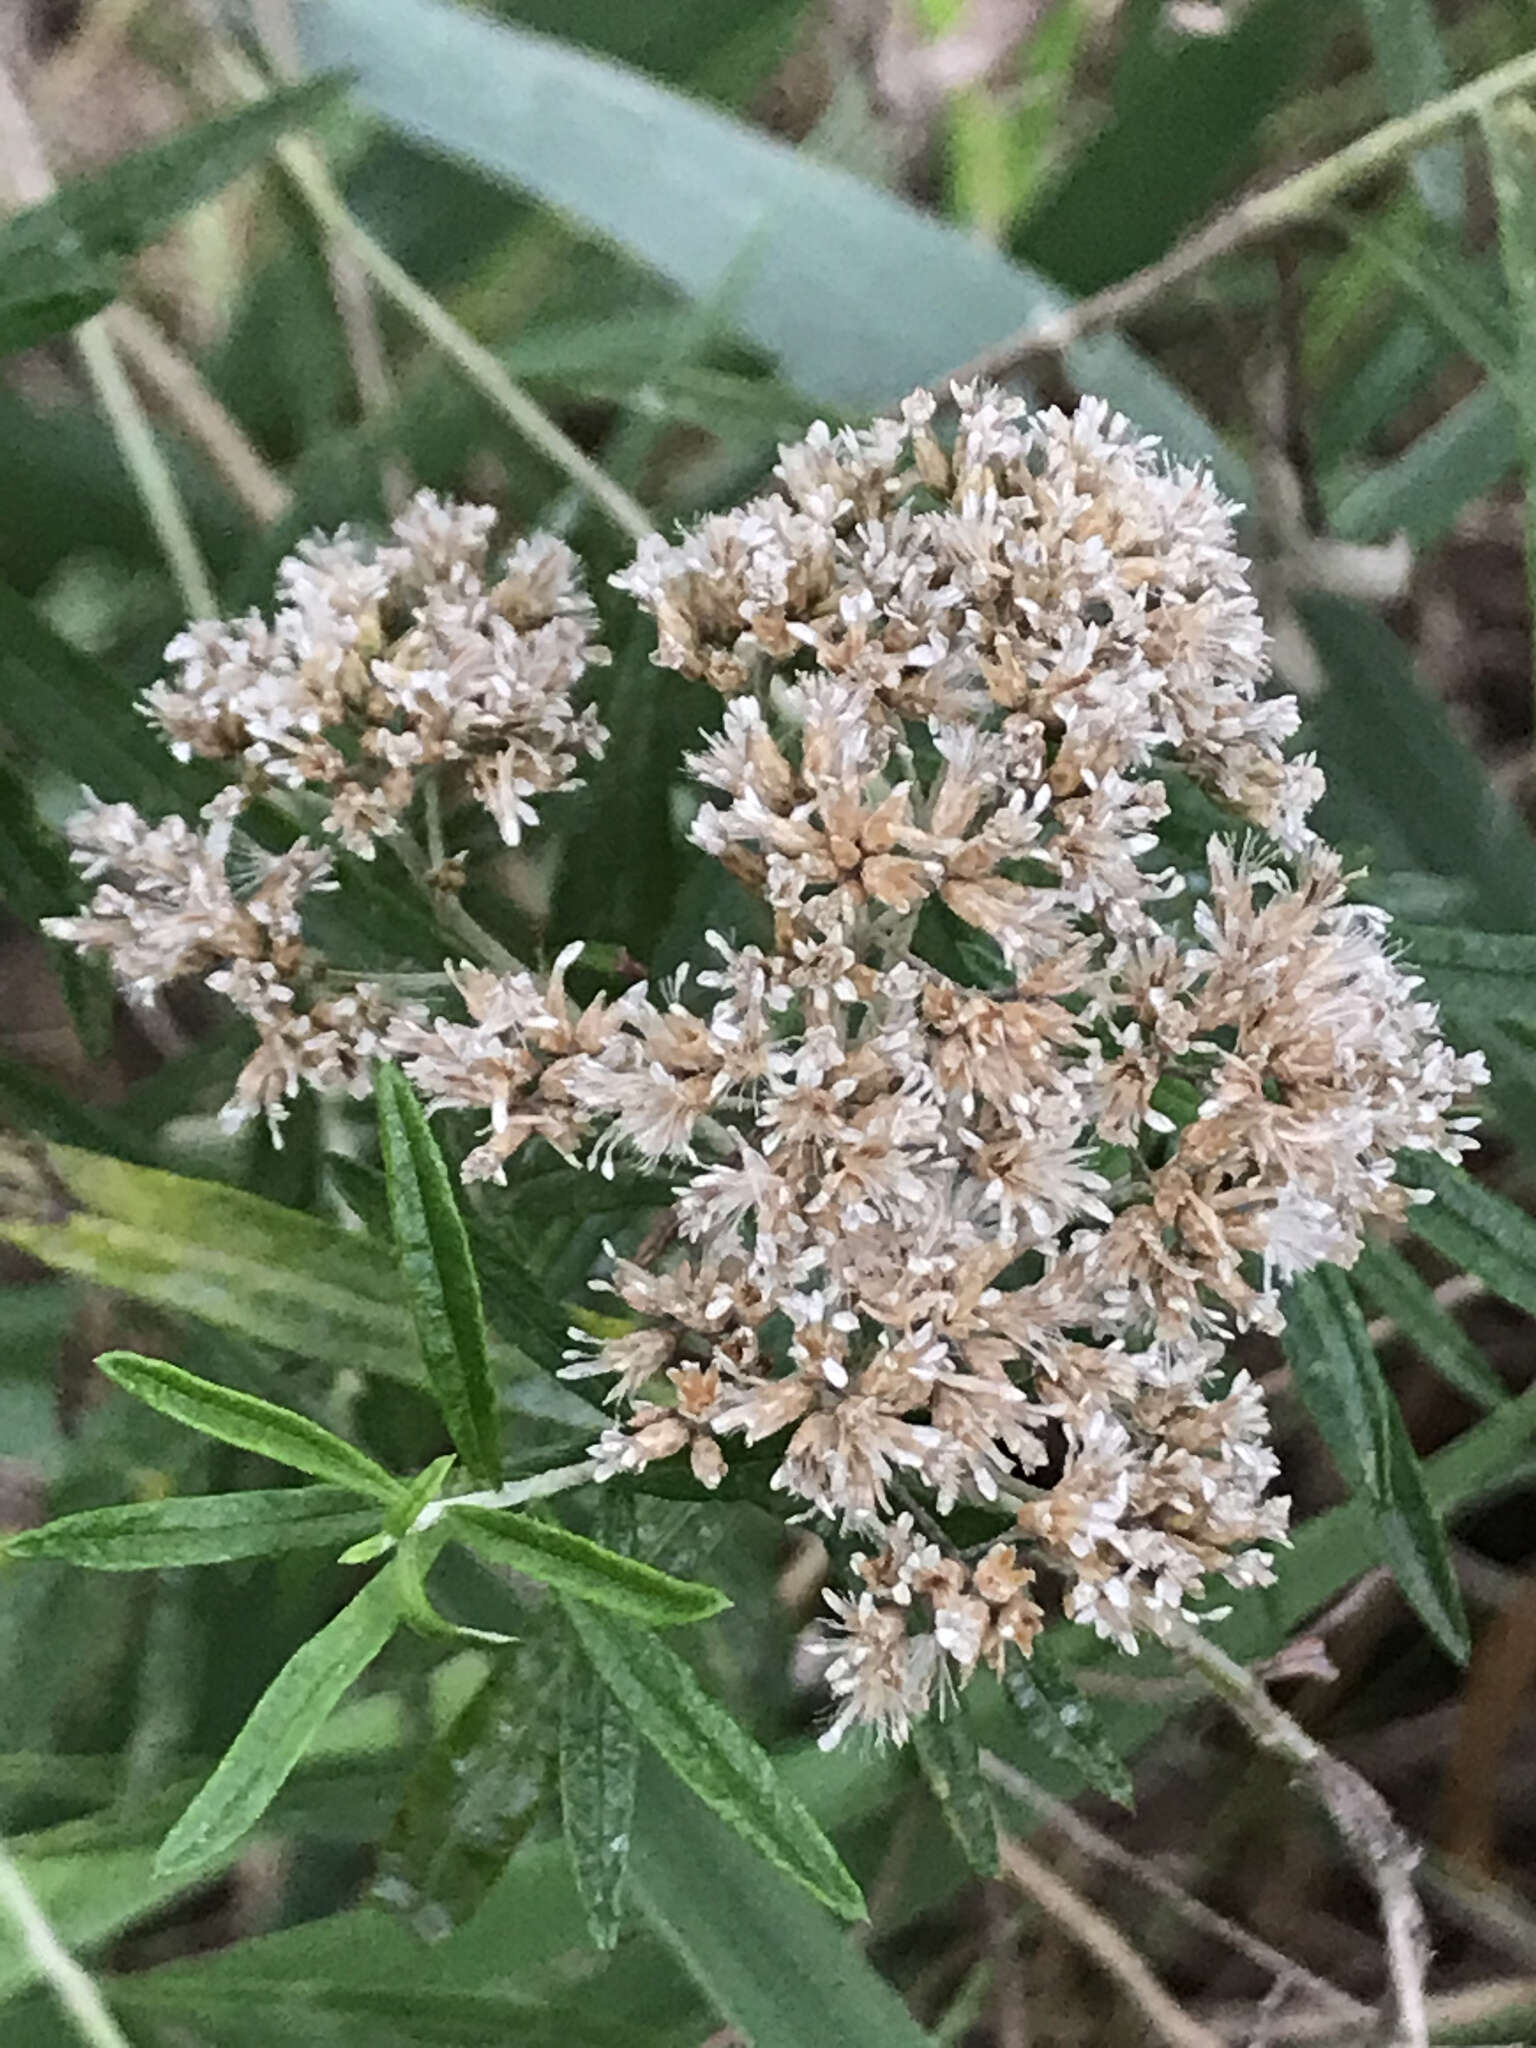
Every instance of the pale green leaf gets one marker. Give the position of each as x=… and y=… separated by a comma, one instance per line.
x=946, y=1749
x=280, y=1728
x=599, y=1758
x=188, y=1529
x=251, y=1423
x=576, y=1565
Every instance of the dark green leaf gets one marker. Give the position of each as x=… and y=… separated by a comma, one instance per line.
x=1187, y=116
x=946, y=1749
x=1423, y=491
x=711, y=1753
x=1395, y=1289
x=38, y=312
x=439, y=1275
x=199, y=1529
x=473, y=1798
x=1488, y=976
x=576, y=1565
x=1063, y=1722
x=769, y=1960
x=1338, y=1377
x=251, y=1423
x=599, y=1758
x=1510, y=133
x=77, y=716
x=1476, y=1229
x=282, y=1725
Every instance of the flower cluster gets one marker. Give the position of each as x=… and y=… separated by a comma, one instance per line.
x=1025, y=1106
x=384, y=662
x=1023, y=1113
x=381, y=666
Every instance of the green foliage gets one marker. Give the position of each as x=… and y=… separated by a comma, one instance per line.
x=585, y=1570
x=946, y=1749
x=208, y=1528
x=1340, y=1380
x=599, y=1760
x=711, y=1753
x=285, y=1720
x=681, y=289
x=441, y=1286
x=252, y=1424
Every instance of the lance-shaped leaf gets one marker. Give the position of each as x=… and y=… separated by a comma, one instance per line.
x=1395, y=1289
x=475, y=1794
x=1473, y=1227
x=440, y=1284
x=711, y=1753
x=199, y=1528
x=251, y=1424
x=946, y=1749
x=1486, y=975
x=599, y=1759
x=576, y=1565
x=281, y=1726
x=117, y=211
x=1062, y=1720
x=1338, y=1377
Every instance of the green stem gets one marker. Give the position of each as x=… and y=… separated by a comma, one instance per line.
x=74, y=1988
x=306, y=168
x=448, y=910
x=1302, y=197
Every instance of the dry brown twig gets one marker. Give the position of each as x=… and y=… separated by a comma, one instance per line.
x=1299, y=198
x=1382, y=1851
x=1113, y=1855
x=1099, y=1938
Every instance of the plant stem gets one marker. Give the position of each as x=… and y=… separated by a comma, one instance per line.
x=448, y=910
x=1302, y=197
x=1382, y=1851
x=541, y=1486
x=76, y=1991
x=306, y=167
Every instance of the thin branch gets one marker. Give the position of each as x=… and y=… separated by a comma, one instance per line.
x=73, y=1987
x=1106, y=1850
x=24, y=168
x=176, y=381
x=1302, y=197
x=1106, y=1944
x=306, y=168
x=1383, y=1852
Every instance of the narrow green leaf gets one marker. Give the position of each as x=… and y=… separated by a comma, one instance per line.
x=76, y=715
x=1423, y=491
x=439, y=1274
x=428, y=1485
x=39, y=311
x=1395, y=1289
x=946, y=1749
x=1339, y=1379
x=250, y=1423
x=770, y=1961
x=473, y=1798
x=1062, y=1720
x=1405, y=41
x=281, y=1726
x=578, y=1566
x=711, y=1753
x=1510, y=133
x=1473, y=1227
x=210, y=1528
x=134, y=200
x=599, y=1759
x=1486, y=975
